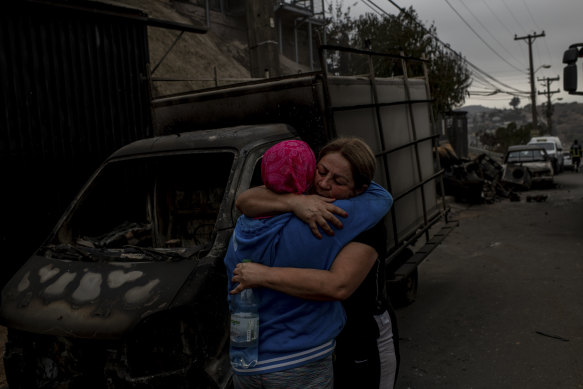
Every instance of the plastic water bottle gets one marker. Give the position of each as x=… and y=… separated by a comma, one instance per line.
x=244, y=329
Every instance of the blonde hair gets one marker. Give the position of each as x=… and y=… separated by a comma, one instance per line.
x=358, y=154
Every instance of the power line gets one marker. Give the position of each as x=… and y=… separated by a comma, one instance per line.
x=477, y=73
x=530, y=14
x=448, y=47
x=479, y=37
x=488, y=31
x=546, y=44
x=376, y=8
x=513, y=16
x=492, y=98
x=488, y=93
x=498, y=18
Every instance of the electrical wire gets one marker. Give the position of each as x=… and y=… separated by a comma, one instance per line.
x=483, y=74
x=537, y=26
x=489, y=33
x=513, y=16
x=510, y=33
x=480, y=38
x=478, y=73
x=378, y=10
x=530, y=14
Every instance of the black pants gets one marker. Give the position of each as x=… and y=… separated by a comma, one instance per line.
x=356, y=362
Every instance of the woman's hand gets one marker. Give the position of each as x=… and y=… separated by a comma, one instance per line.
x=315, y=210
x=248, y=275
x=347, y=272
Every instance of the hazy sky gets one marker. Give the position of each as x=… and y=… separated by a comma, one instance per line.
x=484, y=35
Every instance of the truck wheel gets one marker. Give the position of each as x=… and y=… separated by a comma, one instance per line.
x=405, y=292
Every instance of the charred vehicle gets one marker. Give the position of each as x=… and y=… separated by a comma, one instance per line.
x=527, y=165
x=140, y=249
x=130, y=290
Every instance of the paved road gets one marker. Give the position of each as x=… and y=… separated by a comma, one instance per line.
x=500, y=302
x=494, y=294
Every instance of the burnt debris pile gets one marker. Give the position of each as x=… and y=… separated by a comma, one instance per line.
x=477, y=180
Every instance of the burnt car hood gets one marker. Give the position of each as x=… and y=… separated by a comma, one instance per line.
x=89, y=300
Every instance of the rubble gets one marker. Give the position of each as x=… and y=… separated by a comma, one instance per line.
x=478, y=180
x=538, y=198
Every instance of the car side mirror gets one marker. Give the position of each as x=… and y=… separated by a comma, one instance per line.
x=570, y=71
x=570, y=77
x=570, y=55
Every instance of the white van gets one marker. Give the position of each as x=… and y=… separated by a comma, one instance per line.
x=554, y=149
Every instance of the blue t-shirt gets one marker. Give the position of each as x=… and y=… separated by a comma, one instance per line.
x=295, y=331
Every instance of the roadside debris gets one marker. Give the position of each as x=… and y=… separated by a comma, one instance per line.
x=552, y=336
x=538, y=198
x=475, y=181
x=517, y=175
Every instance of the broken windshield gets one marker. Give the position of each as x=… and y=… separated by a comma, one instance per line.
x=155, y=202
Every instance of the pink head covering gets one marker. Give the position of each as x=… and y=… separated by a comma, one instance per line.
x=288, y=167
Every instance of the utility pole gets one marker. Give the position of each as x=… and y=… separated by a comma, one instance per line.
x=531, y=39
x=548, y=92
x=262, y=38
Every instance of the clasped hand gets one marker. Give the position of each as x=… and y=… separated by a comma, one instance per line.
x=315, y=210
x=248, y=275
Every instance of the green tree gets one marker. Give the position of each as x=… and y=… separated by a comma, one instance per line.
x=512, y=135
x=449, y=77
x=338, y=31
x=489, y=140
x=515, y=102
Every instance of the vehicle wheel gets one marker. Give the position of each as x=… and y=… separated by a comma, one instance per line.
x=404, y=292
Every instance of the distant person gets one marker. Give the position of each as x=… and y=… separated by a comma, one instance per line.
x=575, y=152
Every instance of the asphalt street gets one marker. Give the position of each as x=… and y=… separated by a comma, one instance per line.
x=500, y=301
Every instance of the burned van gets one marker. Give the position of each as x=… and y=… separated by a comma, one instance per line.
x=130, y=288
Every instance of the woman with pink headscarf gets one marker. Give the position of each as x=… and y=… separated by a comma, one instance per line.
x=366, y=354
x=297, y=335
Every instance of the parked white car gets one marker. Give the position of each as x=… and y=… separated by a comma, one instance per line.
x=554, y=148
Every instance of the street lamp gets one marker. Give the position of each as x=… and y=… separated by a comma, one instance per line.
x=533, y=93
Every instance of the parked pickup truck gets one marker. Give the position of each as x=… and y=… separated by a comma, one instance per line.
x=129, y=290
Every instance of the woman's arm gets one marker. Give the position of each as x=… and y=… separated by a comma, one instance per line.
x=349, y=269
x=313, y=210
